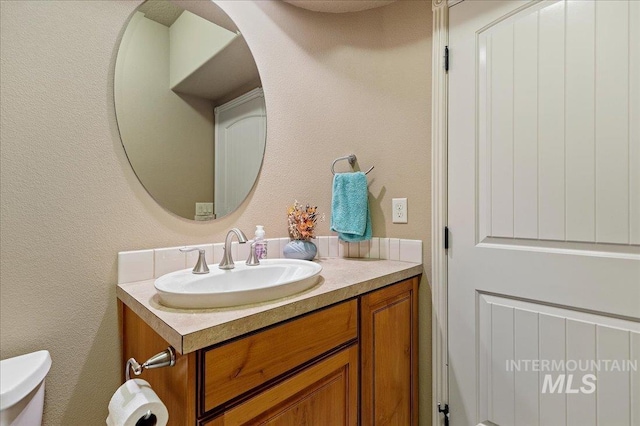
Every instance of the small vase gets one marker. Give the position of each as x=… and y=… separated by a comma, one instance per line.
x=300, y=249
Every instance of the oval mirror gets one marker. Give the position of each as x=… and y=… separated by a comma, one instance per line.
x=190, y=109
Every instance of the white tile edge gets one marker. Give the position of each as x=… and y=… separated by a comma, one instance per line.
x=131, y=273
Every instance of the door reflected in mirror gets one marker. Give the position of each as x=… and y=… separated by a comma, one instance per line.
x=190, y=108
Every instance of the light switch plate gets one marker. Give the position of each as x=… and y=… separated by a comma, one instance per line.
x=204, y=209
x=399, y=210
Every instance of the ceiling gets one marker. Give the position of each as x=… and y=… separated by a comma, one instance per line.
x=161, y=11
x=166, y=12
x=338, y=6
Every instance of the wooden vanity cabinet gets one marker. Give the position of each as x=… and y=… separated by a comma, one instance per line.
x=351, y=363
x=325, y=393
x=176, y=386
x=235, y=368
x=389, y=355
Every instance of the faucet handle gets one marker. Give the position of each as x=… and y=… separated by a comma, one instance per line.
x=253, y=259
x=201, y=265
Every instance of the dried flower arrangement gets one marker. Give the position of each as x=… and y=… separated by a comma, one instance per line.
x=302, y=221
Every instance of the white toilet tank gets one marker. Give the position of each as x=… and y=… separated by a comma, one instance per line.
x=22, y=389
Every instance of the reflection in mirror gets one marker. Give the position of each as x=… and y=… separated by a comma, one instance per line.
x=190, y=109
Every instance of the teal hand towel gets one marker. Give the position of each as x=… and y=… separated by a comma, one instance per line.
x=350, y=216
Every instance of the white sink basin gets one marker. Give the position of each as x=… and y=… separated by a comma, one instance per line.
x=272, y=279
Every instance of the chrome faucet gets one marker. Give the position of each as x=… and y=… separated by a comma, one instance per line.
x=201, y=265
x=227, y=259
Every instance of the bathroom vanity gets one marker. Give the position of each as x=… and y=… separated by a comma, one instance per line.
x=342, y=353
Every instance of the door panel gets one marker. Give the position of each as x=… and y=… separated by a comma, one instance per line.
x=519, y=332
x=240, y=130
x=544, y=260
x=555, y=135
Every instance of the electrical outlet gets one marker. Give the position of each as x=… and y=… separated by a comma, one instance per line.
x=399, y=210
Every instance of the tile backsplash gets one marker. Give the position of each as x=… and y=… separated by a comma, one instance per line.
x=140, y=265
x=135, y=266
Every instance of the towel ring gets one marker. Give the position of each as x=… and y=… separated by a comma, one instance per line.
x=352, y=161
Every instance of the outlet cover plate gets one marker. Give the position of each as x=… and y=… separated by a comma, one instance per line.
x=399, y=210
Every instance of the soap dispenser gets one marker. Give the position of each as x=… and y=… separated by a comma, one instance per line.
x=260, y=243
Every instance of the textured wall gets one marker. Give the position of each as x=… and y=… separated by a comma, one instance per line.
x=334, y=84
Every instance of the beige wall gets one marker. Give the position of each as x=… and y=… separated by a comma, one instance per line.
x=169, y=137
x=334, y=84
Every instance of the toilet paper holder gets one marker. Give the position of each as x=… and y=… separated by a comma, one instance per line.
x=166, y=358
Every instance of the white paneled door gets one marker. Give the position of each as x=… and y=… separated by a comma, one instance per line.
x=544, y=213
x=240, y=137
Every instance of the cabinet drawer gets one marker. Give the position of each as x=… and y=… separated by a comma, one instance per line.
x=237, y=367
x=325, y=393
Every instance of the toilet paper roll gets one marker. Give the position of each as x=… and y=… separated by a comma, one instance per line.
x=132, y=401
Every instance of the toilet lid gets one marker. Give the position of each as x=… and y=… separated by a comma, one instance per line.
x=20, y=375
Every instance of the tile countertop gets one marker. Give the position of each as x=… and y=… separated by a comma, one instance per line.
x=188, y=330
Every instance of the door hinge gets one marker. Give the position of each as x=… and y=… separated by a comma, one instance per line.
x=446, y=237
x=444, y=411
x=446, y=58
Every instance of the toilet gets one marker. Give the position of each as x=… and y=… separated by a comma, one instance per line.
x=22, y=389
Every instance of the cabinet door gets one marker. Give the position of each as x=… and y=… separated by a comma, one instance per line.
x=325, y=393
x=389, y=355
